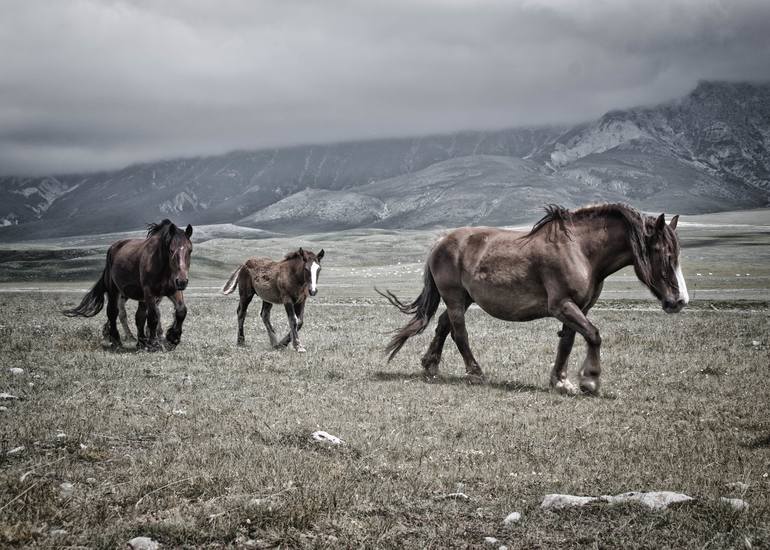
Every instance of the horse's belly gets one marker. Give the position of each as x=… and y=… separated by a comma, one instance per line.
x=512, y=306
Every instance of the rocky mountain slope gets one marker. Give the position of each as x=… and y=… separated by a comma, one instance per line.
x=706, y=152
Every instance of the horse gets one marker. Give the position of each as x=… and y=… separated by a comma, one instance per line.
x=288, y=282
x=557, y=269
x=145, y=270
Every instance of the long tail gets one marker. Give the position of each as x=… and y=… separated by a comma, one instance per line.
x=93, y=302
x=422, y=309
x=232, y=282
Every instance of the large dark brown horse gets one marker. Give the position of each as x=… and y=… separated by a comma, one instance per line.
x=555, y=270
x=144, y=270
x=287, y=282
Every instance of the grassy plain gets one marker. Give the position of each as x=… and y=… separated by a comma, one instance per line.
x=209, y=445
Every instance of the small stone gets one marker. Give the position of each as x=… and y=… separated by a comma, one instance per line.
x=3, y=408
x=491, y=540
x=16, y=371
x=755, y=343
x=324, y=437
x=454, y=496
x=57, y=532
x=91, y=480
x=67, y=489
x=143, y=543
x=61, y=435
x=738, y=485
x=513, y=517
x=656, y=500
x=180, y=412
x=7, y=396
x=556, y=501
x=737, y=504
x=15, y=450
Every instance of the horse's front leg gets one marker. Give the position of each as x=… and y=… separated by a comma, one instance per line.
x=559, y=381
x=140, y=318
x=299, y=311
x=153, y=320
x=573, y=317
x=293, y=330
x=174, y=332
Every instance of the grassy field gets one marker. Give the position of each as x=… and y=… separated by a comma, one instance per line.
x=209, y=445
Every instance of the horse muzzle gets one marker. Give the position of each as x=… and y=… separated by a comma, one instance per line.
x=312, y=292
x=674, y=306
x=181, y=284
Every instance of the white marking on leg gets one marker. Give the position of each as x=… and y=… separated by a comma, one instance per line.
x=683, y=295
x=314, y=276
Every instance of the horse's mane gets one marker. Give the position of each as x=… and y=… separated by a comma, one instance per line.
x=166, y=231
x=292, y=255
x=638, y=225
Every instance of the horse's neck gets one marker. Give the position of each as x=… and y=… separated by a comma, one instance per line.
x=608, y=246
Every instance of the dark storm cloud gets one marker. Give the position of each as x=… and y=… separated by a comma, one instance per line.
x=98, y=84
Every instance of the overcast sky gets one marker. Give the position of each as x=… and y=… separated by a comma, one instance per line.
x=88, y=85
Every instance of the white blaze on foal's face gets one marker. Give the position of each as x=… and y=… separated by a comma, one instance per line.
x=314, y=278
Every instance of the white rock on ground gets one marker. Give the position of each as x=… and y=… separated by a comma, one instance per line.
x=513, y=517
x=67, y=489
x=738, y=485
x=57, y=532
x=556, y=501
x=491, y=540
x=7, y=396
x=16, y=371
x=15, y=450
x=325, y=437
x=656, y=500
x=143, y=543
x=737, y=504
x=3, y=409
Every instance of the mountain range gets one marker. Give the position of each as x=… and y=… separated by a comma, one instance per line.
x=705, y=152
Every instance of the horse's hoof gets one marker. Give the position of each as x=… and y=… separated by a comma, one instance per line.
x=241, y=343
x=430, y=370
x=279, y=347
x=589, y=387
x=565, y=387
x=475, y=378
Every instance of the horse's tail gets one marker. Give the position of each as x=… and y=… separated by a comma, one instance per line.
x=93, y=302
x=423, y=308
x=232, y=282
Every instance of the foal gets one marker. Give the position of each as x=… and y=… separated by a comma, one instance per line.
x=288, y=282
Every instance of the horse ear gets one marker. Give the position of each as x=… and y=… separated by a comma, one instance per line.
x=673, y=222
x=660, y=223
x=301, y=253
x=188, y=231
x=320, y=255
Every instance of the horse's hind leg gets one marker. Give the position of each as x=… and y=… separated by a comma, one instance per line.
x=112, y=317
x=559, y=381
x=246, y=295
x=432, y=357
x=264, y=314
x=123, y=318
x=456, y=307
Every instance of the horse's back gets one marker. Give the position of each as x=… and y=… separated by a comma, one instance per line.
x=263, y=276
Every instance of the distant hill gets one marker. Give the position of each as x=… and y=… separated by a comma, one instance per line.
x=706, y=152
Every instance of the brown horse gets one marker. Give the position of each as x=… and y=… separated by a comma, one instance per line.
x=144, y=270
x=287, y=282
x=555, y=270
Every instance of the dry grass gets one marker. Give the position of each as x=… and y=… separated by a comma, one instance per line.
x=683, y=408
